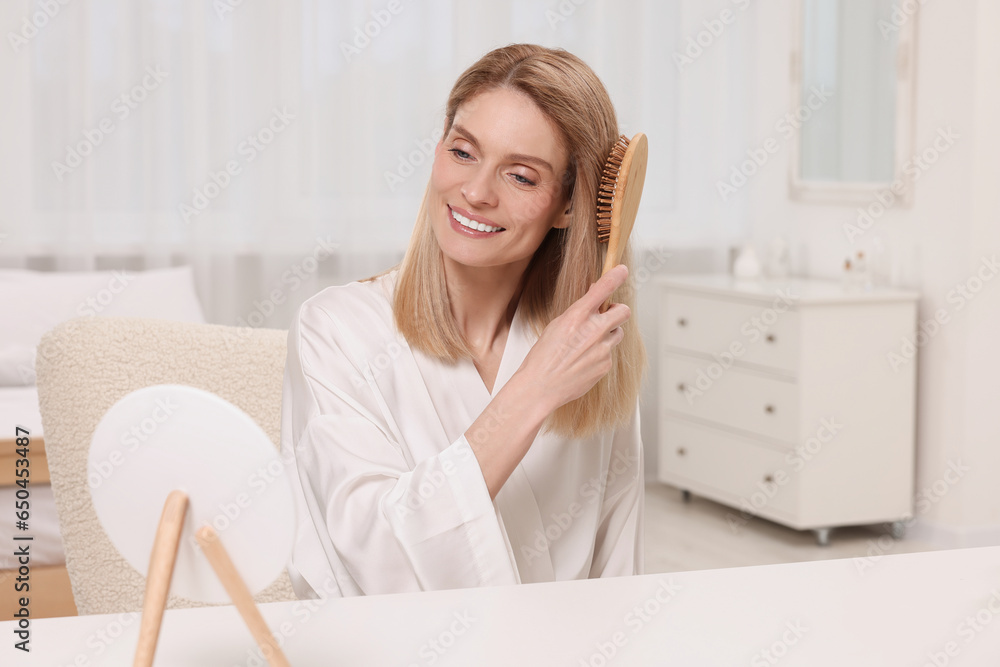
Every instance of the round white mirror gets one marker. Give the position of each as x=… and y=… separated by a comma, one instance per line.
x=168, y=437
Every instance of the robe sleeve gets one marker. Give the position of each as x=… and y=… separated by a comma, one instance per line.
x=371, y=520
x=618, y=547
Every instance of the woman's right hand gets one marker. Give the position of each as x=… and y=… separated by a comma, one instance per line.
x=572, y=354
x=575, y=350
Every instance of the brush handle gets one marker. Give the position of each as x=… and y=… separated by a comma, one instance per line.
x=161, y=571
x=240, y=594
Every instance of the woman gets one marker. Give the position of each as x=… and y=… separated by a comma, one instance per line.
x=470, y=417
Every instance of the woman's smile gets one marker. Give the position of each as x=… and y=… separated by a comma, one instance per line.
x=472, y=225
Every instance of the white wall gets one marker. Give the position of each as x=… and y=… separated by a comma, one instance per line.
x=935, y=244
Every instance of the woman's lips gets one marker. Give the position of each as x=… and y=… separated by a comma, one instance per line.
x=462, y=229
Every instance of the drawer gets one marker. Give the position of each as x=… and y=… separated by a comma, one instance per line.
x=746, y=400
x=756, y=333
x=739, y=469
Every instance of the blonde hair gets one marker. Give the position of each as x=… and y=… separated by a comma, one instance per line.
x=568, y=260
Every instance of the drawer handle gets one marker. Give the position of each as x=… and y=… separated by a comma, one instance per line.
x=769, y=409
x=681, y=387
x=770, y=338
x=681, y=322
x=681, y=451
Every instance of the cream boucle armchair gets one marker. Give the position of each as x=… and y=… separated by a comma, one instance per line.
x=84, y=366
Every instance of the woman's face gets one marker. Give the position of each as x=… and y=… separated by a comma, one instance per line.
x=501, y=165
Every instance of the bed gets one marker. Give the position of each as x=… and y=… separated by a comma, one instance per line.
x=50, y=592
x=34, y=303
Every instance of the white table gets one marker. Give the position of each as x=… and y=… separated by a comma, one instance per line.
x=897, y=611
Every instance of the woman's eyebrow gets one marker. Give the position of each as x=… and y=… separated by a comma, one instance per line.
x=514, y=157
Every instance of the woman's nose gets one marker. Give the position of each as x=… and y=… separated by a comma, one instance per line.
x=480, y=188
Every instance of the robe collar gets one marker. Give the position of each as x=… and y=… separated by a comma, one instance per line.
x=518, y=512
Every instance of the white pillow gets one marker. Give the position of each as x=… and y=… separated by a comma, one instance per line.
x=17, y=365
x=34, y=302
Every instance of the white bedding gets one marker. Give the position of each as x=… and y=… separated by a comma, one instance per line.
x=42, y=301
x=19, y=407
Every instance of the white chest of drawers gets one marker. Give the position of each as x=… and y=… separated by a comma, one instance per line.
x=790, y=400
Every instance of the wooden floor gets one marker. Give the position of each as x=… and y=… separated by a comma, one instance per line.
x=49, y=593
x=697, y=535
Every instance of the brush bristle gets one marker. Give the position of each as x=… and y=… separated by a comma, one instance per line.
x=606, y=189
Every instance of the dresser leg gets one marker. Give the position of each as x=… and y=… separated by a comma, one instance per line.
x=897, y=529
x=685, y=495
x=822, y=536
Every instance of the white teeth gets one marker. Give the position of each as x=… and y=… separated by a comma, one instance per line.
x=479, y=226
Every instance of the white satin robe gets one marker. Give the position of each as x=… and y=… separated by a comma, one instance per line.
x=390, y=497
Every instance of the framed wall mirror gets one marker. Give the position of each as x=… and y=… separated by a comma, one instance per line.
x=852, y=75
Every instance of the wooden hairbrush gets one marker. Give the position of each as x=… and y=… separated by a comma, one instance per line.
x=618, y=195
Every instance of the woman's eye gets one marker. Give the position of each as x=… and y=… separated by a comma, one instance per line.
x=522, y=180
x=460, y=154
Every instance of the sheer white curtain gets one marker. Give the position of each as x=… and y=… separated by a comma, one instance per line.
x=282, y=145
